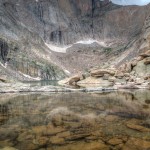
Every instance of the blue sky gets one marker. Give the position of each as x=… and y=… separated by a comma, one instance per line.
x=131, y=2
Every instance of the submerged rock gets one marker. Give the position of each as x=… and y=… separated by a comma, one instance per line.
x=9, y=148
x=138, y=128
x=57, y=140
x=95, y=145
x=137, y=144
x=115, y=141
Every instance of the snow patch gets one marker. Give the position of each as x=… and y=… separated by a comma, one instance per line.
x=5, y=65
x=66, y=71
x=63, y=49
x=91, y=41
x=27, y=76
x=57, y=48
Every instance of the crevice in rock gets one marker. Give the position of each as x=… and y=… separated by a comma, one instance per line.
x=3, y=50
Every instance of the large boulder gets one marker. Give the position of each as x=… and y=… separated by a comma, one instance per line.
x=94, y=82
x=71, y=81
x=147, y=77
x=147, y=61
x=74, y=79
x=128, y=67
x=141, y=69
x=101, y=72
x=146, y=54
x=139, y=58
x=112, y=79
x=3, y=78
x=119, y=74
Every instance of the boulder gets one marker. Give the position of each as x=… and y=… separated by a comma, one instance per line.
x=73, y=79
x=41, y=140
x=126, y=74
x=141, y=69
x=122, y=68
x=57, y=140
x=106, y=76
x=137, y=127
x=125, y=67
x=147, y=61
x=146, y=54
x=115, y=141
x=128, y=67
x=139, y=81
x=3, y=78
x=119, y=74
x=93, y=145
x=139, y=58
x=101, y=72
x=132, y=79
x=147, y=77
x=136, y=144
x=112, y=79
x=9, y=148
x=94, y=82
x=132, y=73
x=127, y=78
x=134, y=62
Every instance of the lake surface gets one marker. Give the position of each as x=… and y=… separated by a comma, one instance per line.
x=75, y=121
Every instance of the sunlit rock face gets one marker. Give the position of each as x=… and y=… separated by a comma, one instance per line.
x=30, y=27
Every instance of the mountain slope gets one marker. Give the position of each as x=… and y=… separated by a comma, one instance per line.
x=32, y=31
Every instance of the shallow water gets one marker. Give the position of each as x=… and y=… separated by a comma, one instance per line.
x=75, y=121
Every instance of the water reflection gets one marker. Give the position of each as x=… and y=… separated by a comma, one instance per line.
x=75, y=121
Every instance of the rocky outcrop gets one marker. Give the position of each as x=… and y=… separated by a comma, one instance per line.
x=131, y=75
x=102, y=72
x=147, y=61
x=26, y=61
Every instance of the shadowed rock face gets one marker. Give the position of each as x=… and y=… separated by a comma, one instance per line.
x=67, y=21
x=3, y=50
x=27, y=25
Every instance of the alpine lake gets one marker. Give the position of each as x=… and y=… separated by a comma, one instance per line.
x=112, y=120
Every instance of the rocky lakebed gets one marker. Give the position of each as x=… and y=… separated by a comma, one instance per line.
x=112, y=120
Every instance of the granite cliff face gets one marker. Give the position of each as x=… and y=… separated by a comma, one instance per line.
x=31, y=31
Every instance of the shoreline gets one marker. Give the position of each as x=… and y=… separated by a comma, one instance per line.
x=23, y=88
